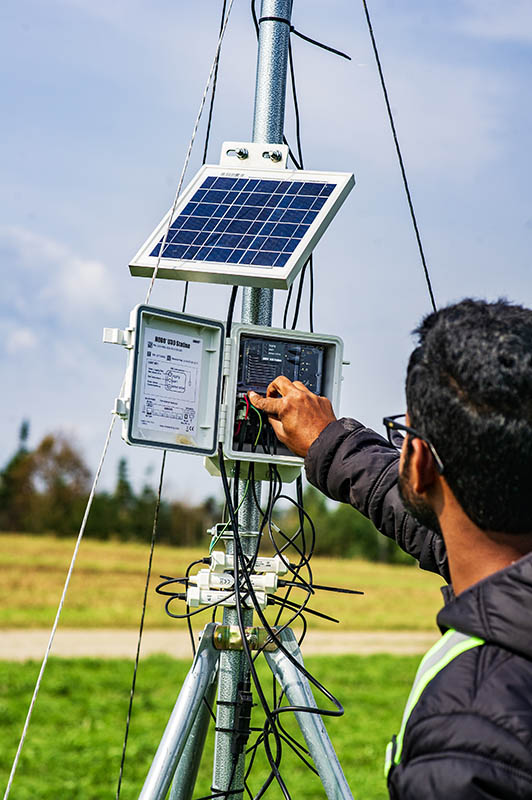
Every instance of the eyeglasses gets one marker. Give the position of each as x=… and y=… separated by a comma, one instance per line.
x=397, y=434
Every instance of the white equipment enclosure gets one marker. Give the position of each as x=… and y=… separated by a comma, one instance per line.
x=173, y=396
x=171, y=392
x=253, y=224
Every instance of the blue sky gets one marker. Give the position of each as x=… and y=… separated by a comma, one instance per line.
x=99, y=100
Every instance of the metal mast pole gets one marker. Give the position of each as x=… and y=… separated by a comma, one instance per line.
x=257, y=305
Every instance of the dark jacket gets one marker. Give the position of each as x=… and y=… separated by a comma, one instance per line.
x=470, y=734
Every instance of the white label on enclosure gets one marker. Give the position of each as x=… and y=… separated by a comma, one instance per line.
x=169, y=392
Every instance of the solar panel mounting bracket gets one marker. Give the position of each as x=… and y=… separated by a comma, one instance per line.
x=253, y=155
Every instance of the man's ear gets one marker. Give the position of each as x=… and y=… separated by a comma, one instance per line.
x=423, y=471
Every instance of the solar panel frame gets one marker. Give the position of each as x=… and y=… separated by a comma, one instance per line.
x=263, y=208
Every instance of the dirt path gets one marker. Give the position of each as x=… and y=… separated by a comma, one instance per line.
x=22, y=645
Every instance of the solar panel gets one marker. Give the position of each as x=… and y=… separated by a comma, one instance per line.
x=244, y=227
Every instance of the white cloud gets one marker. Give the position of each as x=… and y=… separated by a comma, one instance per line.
x=498, y=19
x=20, y=339
x=46, y=276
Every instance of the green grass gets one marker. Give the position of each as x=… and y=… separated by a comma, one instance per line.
x=74, y=741
x=108, y=583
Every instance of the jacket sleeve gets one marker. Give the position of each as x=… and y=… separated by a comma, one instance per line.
x=459, y=776
x=355, y=465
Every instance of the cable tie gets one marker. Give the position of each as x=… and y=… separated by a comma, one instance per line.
x=306, y=38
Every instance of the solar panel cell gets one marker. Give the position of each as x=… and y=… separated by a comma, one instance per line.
x=238, y=226
x=192, y=252
x=223, y=183
x=311, y=188
x=201, y=237
x=231, y=240
x=301, y=201
x=293, y=215
x=290, y=245
x=264, y=259
x=285, y=201
x=256, y=227
x=246, y=212
x=194, y=224
x=184, y=237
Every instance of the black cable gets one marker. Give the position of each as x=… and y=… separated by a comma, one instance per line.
x=306, y=38
x=299, y=295
x=230, y=311
x=296, y=105
x=271, y=633
x=141, y=626
x=399, y=156
x=287, y=305
x=185, y=298
x=239, y=560
x=311, y=295
x=189, y=623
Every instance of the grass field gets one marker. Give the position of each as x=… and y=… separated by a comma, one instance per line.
x=108, y=583
x=75, y=738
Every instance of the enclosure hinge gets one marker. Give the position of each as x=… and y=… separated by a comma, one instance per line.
x=222, y=420
x=226, y=366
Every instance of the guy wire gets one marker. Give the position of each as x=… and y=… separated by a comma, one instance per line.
x=141, y=626
x=399, y=156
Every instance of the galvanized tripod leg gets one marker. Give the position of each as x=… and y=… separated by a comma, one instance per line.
x=298, y=692
x=187, y=768
x=179, y=727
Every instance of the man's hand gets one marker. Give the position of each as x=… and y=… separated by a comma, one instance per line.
x=296, y=414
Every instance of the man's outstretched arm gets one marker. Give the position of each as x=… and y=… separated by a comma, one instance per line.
x=349, y=463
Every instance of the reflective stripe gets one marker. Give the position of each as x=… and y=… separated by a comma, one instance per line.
x=451, y=645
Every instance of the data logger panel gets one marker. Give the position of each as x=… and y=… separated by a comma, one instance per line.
x=311, y=359
x=261, y=360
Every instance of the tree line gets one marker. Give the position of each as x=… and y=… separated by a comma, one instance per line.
x=45, y=490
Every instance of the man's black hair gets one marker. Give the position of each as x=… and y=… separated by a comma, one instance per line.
x=469, y=391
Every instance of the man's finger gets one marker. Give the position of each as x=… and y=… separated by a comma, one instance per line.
x=281, y=385
x=301, y=386
x=271, y=405
x=278, y=429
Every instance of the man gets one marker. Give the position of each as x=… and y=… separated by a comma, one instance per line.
x=459, y=499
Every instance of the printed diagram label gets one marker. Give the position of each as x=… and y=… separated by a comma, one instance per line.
x=169, y=395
